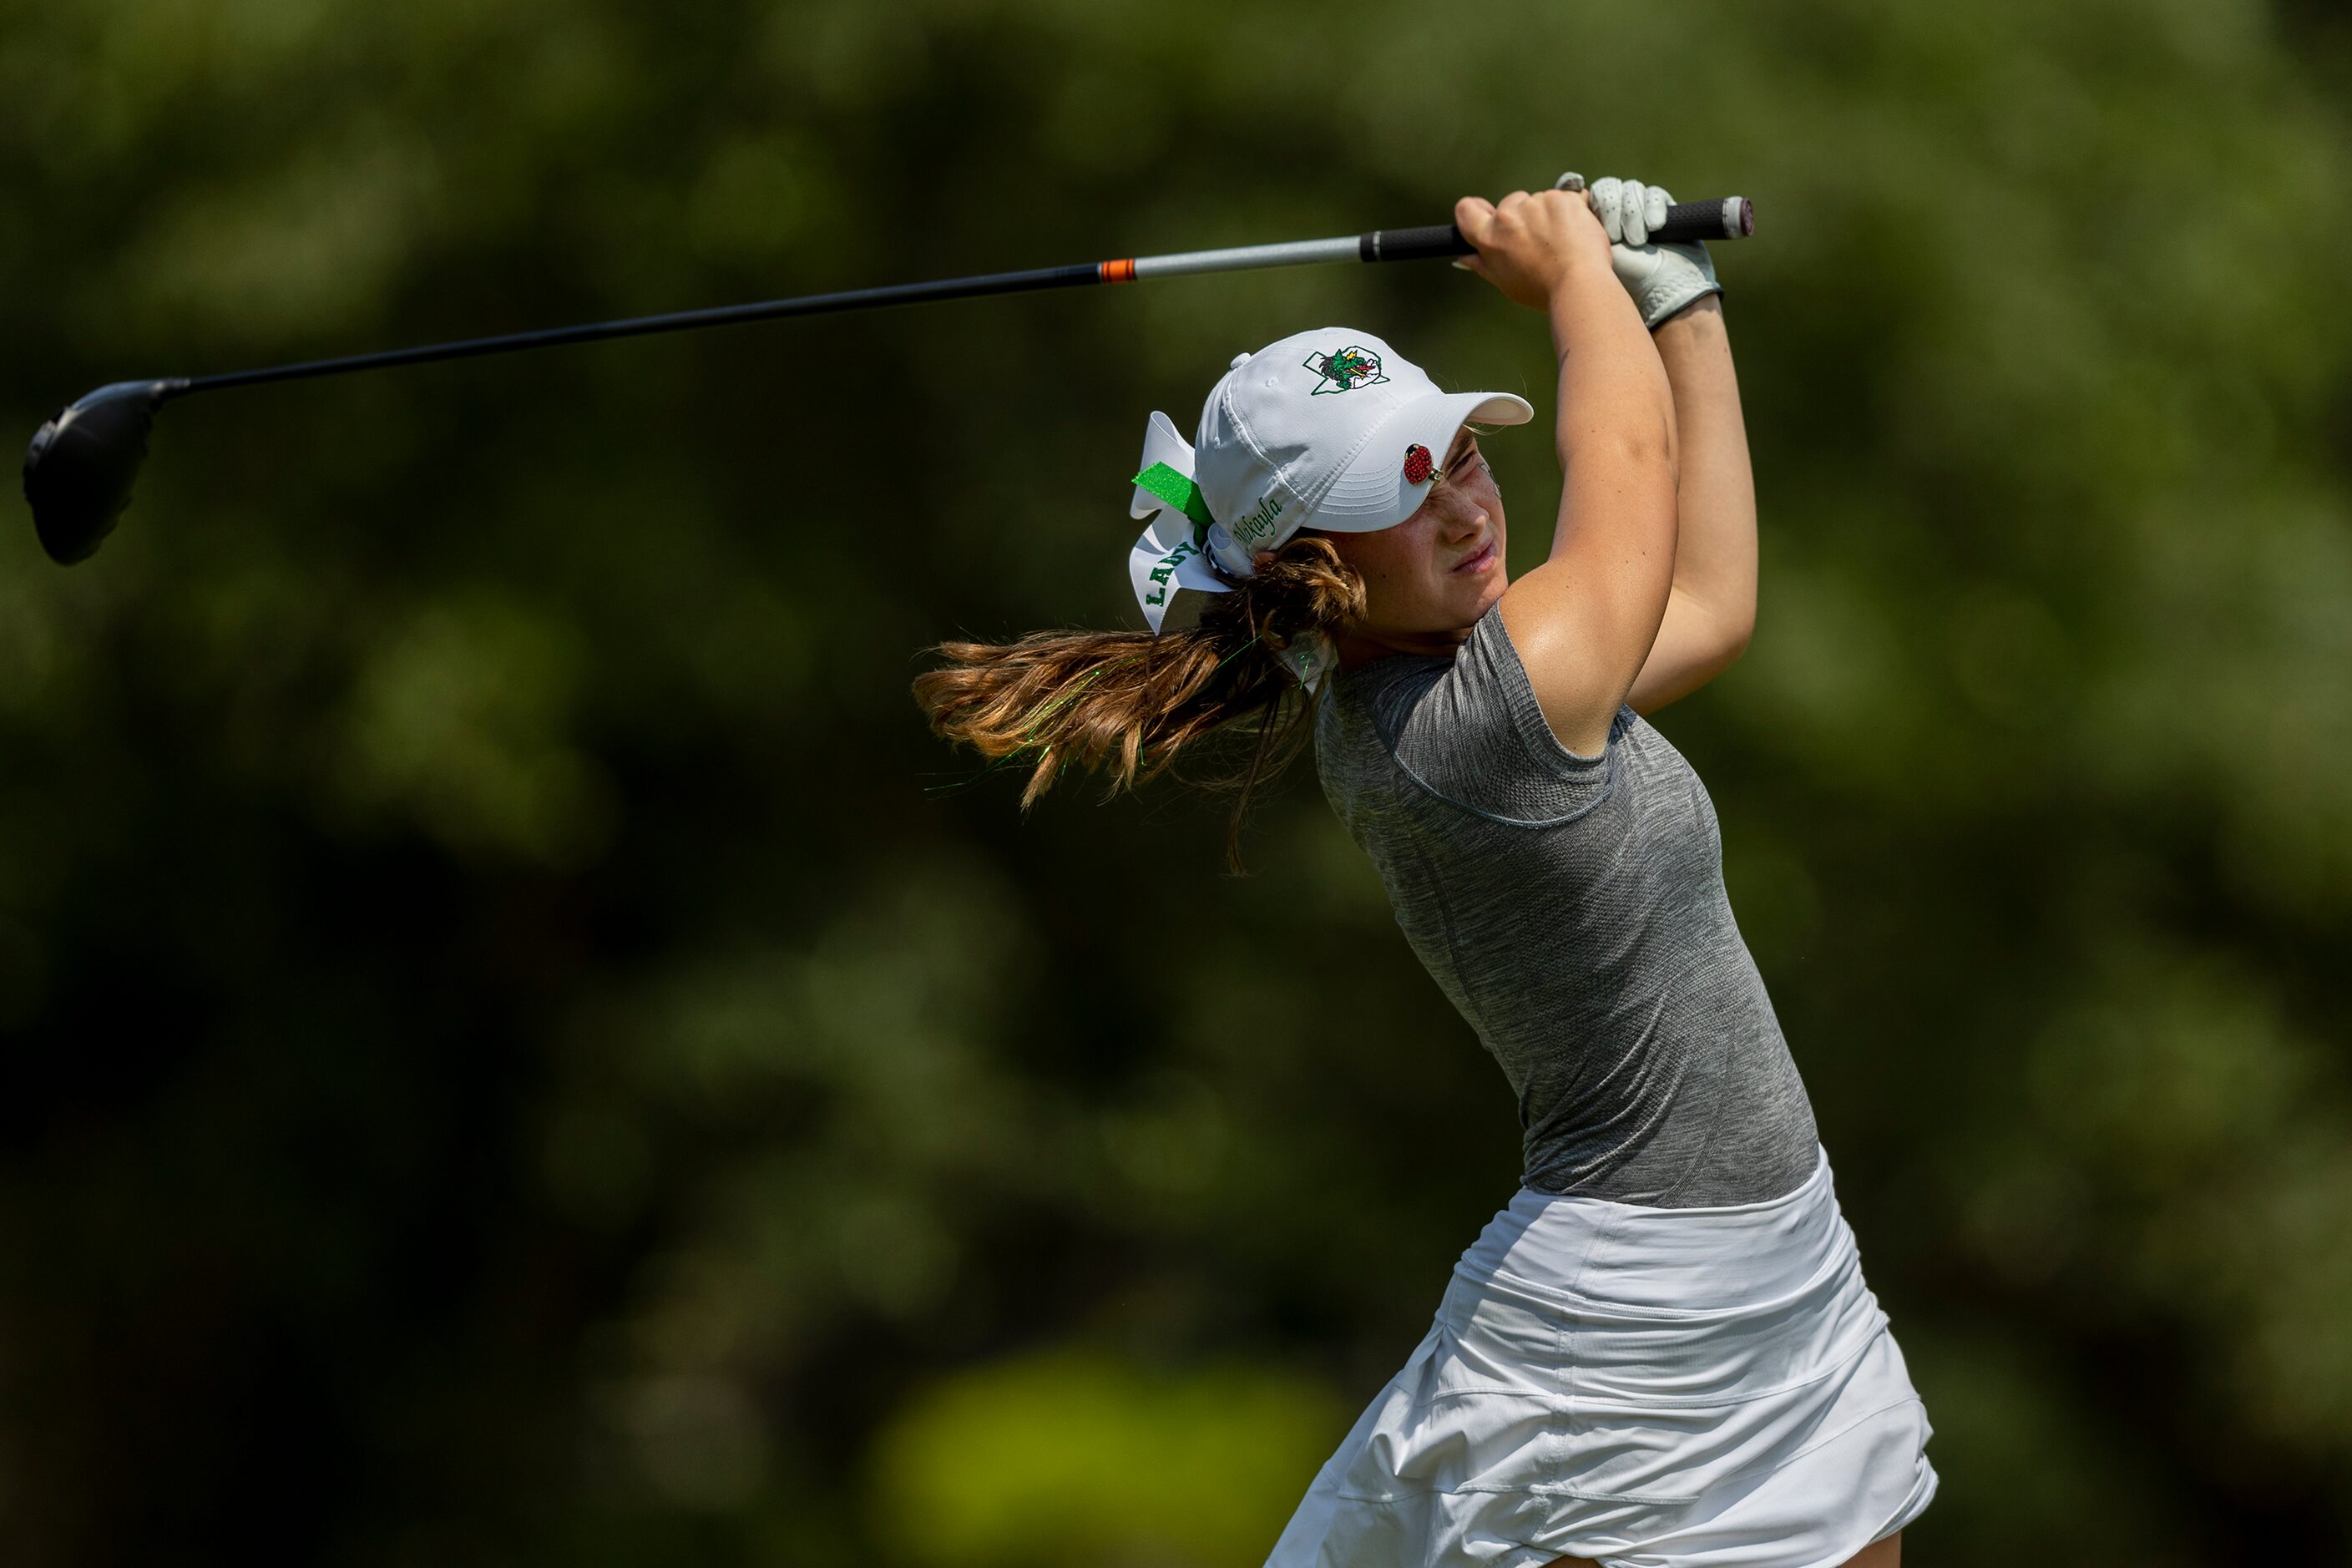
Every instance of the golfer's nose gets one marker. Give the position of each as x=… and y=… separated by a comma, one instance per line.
x=1460, y=518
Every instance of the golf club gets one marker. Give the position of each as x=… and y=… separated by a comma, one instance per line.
x=80, y=465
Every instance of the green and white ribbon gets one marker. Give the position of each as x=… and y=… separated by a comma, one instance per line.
x=1179, y=491
x=1173, y=563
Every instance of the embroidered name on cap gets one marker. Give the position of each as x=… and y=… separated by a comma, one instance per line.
x=1259, y=523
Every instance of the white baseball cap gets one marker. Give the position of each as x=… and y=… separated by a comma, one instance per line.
x=1330, y=429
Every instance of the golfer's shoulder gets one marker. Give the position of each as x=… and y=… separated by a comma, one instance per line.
x=1468, y=731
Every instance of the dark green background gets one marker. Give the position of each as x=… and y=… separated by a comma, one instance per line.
x=520, y=1049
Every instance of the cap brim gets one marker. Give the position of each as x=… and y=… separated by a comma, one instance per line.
x=1370, y=494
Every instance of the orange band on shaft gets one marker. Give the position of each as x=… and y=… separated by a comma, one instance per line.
x=1120, y=271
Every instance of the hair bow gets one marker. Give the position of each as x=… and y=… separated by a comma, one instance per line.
x=1184, y=554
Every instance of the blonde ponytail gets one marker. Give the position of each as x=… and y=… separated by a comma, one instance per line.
x=1127, y=704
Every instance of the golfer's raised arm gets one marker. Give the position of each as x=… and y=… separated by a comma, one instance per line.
x=1584, y=622
x=1712, y=608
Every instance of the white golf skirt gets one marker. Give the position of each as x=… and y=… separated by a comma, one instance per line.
x=1651, y=1388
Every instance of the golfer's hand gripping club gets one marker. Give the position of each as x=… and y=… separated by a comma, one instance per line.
x=79, y=467
x=1664, y=275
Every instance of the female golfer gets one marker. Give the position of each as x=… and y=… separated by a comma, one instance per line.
x=1661, y=1353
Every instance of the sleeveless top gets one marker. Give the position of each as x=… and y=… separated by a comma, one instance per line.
x=1573, y=909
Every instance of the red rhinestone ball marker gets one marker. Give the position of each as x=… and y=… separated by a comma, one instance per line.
x=1418, y=463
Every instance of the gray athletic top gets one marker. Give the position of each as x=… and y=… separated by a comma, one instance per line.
x=1573, y=910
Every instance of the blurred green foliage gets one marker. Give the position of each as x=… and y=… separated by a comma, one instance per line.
x=518, y=1049
x=1081, y=1459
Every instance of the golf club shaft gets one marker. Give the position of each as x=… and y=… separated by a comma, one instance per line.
x=1726, y=219
x=79, y=466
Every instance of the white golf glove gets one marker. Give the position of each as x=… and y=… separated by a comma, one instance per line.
x=1662, y=278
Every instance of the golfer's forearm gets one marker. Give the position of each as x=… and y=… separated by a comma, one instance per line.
x=1714, y=548
x=1616, y=428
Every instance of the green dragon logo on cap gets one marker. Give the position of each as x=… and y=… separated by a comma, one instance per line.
x=1345, y=371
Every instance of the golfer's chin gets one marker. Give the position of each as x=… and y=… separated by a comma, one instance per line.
x=1462, y=614
x=1481, y=594
x=1448, y=611
x=1459, y=604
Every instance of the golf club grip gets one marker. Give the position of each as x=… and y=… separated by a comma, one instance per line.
x=1693, y=223
x=1732, y=218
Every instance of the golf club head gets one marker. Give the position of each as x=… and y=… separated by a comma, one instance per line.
x=79, y=469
